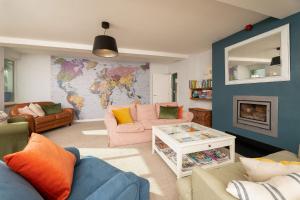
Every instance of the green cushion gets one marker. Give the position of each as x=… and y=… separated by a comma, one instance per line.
x=52, y=109
x=168, y=112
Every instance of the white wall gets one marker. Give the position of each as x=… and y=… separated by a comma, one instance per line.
x=1, y=78
x=33, y=78
x=196, y=67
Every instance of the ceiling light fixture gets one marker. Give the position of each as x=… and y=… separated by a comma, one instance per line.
x=276, y=60
x=104, y=45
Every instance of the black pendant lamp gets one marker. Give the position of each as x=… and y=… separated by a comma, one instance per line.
x=276, y=60
x=104, y=45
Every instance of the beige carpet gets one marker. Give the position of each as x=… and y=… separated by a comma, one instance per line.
x=91, y=139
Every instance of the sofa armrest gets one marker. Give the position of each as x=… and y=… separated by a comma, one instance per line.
x=188, y=116
x=69, y=110
x=208, y=187
x=110, y=122
x=13, y=137
x=23, y=117
x=75, y=152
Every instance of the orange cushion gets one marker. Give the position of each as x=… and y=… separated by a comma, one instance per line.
x=48, y=167
x=180, y=112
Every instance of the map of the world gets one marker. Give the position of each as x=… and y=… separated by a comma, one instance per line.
x=90, y=86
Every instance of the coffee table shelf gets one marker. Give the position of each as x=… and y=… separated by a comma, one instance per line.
x=220, y=140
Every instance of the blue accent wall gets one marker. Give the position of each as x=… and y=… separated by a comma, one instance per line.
x=288, y=92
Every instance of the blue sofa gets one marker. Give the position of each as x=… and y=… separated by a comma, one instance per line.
x=93, y=179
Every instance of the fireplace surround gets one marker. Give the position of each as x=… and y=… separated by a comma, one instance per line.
x=256, y=113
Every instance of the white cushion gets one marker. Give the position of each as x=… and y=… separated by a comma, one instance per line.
x=26, y=110
x=3, y=122
x=285, y=187
x=36, y=108
x=264, y=169
x=3, y=117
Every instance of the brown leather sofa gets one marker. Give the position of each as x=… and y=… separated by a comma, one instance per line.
x=41, y=124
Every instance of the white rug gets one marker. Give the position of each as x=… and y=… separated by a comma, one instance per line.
x=94, y=132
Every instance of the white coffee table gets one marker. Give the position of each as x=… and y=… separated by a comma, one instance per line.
x=183, y=139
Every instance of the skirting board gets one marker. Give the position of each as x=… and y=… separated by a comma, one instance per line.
x=88, y=120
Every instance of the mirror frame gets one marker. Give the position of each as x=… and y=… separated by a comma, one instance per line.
x=284, y=54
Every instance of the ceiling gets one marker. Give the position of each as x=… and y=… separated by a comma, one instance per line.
x=274, y=8
x=174, y=26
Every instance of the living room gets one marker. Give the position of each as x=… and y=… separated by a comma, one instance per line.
x=149, y=100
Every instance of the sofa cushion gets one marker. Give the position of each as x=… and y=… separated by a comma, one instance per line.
x=157, y=106
x=262, y=169
x=180, y=112
x=95, y=179
x=52, y=108
x=26, y=110
x=126, y=185
x=130, y=128
x=14, y=186
x=45, y=119
x=278, y=187
x=89, y=175
x=37, y=109
x=145, y=112
x=147, y=124
x=168, y=112
x=132, y=108
x=45, y=165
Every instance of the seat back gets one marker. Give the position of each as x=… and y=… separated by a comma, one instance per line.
x=15, y=109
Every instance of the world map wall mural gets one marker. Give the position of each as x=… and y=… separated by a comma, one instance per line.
x=89, y=86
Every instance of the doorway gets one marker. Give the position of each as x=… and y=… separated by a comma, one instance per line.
x=174, y=87
x=161, y=88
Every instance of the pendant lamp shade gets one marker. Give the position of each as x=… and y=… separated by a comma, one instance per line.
x=275, y=61
x=104, y=45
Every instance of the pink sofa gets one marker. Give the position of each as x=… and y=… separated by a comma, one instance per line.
x=144, y=116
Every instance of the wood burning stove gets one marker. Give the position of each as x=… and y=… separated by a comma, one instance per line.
x=256, y=113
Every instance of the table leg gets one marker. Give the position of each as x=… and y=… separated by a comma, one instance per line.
x=232, y=152
x=179, y=164
x=153, y=143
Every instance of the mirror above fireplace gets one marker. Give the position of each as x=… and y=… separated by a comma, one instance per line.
x=263, y=58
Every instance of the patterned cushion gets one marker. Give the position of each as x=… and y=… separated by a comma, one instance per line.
x=36, y=108
x=280, y=187
x=3, y=117
x=26, y=110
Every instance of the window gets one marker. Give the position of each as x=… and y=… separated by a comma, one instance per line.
x=9, y=93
